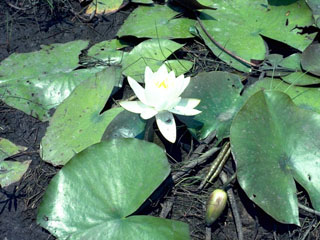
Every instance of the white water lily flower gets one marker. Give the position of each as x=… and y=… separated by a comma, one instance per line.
x=161, y=98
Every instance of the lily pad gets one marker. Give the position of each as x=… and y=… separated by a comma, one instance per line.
x=142, y=1
x=304, y=97
x=8, y=148
x=11, y=171
x=299, y=77
x=178, y=66
x=219, y=103
x=38, y=81
x=125, y=125
x=104, y=6
x=112, y=179
x=274, y=142
x=107, y=51
x=152, y=53
x=315, y=7
x=77, y=122
x=310, y=59
x=158, y=21
x=239, y=26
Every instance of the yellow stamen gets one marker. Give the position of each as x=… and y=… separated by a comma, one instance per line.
x=163, y=84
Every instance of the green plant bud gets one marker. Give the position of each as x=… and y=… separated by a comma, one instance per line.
x=215, y=205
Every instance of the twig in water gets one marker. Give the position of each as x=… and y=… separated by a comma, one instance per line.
x=306, y=233
x=307, y=209
x=196, y=158
x=166, y=208
x=208, y=233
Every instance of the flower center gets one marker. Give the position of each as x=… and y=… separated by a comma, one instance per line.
x=163, y=83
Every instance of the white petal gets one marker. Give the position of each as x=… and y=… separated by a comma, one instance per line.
x=185, y=111
x=134, y=106
x=183, y=83
x=189, y=102
x=148, y=113
x=168, y=104
x=167, y=125
x=186, y=107
x=162, y=71
x=148, y=77
x=138, y=90
x=171, y=76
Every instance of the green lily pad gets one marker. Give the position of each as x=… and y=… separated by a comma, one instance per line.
x=275, y=65
x=142, y=1
x=299, y=77
x=304, y=97
x=315, y=7
x=274, y=142
x=11, y=171
x=96, y=193
x=38, y=81
x=107, y=51
x=8, y=148
x=77, y=122
x=157, y=21
x=178, y=66
x=152, y=53
x=125, y=125
x=292, y=62
x=219, y=103
x=238, y=26
x=104, y=6
x=310, y=59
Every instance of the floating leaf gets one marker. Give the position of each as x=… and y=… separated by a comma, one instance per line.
x=192, y=5
x=107, y=51
x=238, y=26
x=178, y=66
x=315, y=6
x=152, y=53
x=77, y=122
x=299, y=77
x=274, y=142
x=158, y=21
x=310, y=59
x=142, y=1
x=219, y=93
x=304, y=97
x=96, y=193
x=104, y=6
x=11, y=171
x=8, y=148
x=125, y=125
x=38, y=81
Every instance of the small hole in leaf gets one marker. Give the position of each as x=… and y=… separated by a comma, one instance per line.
x=309, y=177
x=287, y=22
x=254, y=196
